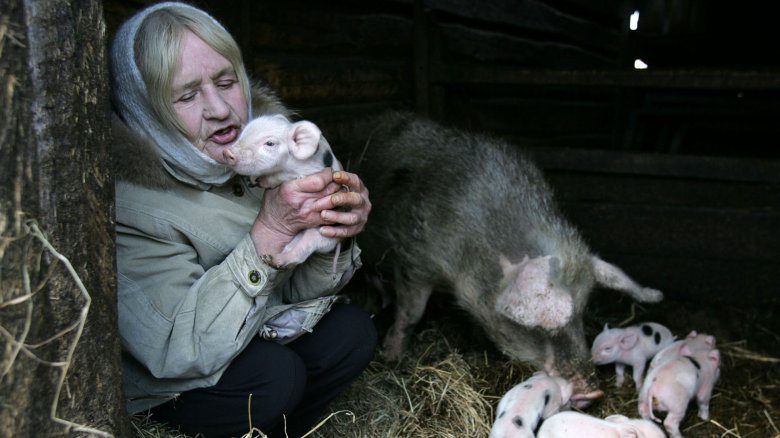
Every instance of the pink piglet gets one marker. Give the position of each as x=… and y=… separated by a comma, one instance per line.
x=694, y=341
x=574, y=424
x=672, y=385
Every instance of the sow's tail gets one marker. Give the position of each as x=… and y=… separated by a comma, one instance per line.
x=610, y=276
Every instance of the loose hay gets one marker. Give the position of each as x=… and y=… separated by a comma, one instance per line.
x=144, y=427
x=435, y=394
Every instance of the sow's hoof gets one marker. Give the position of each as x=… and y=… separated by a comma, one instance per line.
x=392, y=349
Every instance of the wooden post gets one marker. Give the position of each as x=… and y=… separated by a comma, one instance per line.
x=55, y=160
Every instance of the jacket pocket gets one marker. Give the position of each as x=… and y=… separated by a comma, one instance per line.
x=294, y=320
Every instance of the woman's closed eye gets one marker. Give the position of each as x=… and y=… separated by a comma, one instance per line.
x=227, y=84
x=188, y=97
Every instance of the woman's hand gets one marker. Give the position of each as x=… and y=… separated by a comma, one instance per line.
x=309, y=202
x=289, y=209
x=345, y=213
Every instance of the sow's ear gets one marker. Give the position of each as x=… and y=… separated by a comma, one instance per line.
x=530, y=298
x=610, y=276
x=304, y=136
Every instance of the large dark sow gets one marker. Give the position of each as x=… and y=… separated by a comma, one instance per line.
x=468, y=214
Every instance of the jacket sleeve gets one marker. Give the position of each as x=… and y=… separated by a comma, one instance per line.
x=180, y=320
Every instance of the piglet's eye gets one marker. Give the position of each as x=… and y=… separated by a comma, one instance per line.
x=270, y=143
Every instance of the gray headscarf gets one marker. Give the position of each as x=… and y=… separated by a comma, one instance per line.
x=131, y=102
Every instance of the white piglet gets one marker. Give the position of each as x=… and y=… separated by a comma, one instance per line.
x=574, y=424
x=672, y=385
x=528, y=402
x=272, y=150
x=632, y=346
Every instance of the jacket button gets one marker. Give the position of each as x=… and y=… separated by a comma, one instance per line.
x=238, y=189
x=269, y=334
x=254, y=277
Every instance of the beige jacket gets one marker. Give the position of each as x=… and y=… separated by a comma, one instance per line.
x=192, y=290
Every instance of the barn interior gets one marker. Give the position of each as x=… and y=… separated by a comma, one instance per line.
x=655, y=121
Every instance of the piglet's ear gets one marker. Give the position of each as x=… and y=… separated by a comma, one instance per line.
x=305, y=137
x=567, y=389
x=506, y=265
x=628, y=340
x=714, y=357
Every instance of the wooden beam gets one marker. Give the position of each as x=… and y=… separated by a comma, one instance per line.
x=658, y=165
x=690, y=79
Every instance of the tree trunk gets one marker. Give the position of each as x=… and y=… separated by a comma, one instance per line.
x=55, y=166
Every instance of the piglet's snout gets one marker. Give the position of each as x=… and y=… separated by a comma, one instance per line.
x=230, y=159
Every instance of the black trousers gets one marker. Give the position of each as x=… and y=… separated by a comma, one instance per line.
x=297, y=380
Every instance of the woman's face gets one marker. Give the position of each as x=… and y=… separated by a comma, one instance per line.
x=208, y=97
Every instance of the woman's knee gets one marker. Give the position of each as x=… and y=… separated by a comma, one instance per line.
x=361, y=333
x=274, y=375
x=345, y=338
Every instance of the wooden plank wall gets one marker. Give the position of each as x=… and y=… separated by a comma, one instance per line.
x=470, y=42
x=668, y=172
x=331, y=61
x=699, y=228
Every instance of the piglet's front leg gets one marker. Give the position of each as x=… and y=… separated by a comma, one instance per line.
x=638, y=374
x=303, y=245
x=620, y=371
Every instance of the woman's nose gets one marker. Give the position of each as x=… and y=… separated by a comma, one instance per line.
x=215, y=107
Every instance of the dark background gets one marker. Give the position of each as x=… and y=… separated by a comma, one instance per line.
x=671, y=172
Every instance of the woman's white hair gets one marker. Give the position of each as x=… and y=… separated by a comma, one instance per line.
x=144, y=58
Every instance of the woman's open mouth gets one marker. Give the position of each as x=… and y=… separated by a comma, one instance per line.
x=225, y=135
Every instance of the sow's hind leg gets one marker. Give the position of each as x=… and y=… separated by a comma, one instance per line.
x=411, y=297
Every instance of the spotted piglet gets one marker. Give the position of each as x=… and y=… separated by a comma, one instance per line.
x=694, y=341
x=575, y=424
x=672, y=385
x=633, y=346
x=528, y=402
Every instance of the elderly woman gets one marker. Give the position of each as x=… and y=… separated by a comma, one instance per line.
x=209, y=324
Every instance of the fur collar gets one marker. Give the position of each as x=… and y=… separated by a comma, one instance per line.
x=135, y=158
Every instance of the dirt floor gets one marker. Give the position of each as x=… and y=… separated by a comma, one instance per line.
x=452, y=378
